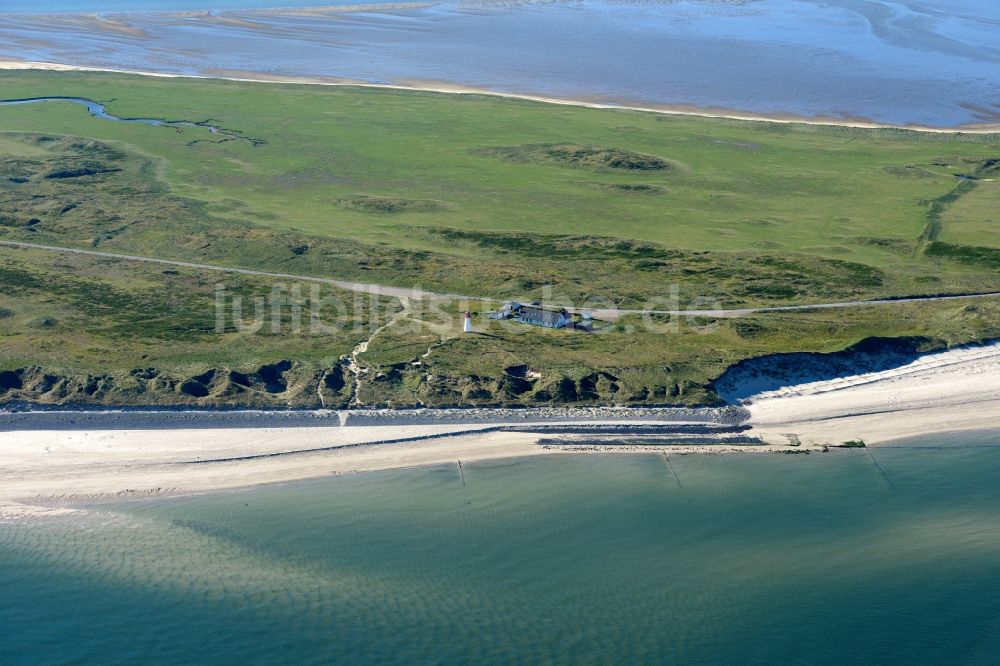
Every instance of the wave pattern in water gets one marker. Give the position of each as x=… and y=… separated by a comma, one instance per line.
x=593, y=558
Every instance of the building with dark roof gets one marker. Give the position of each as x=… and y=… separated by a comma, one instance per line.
x=530, y=314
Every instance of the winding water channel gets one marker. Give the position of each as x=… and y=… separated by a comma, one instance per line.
x=98, y=110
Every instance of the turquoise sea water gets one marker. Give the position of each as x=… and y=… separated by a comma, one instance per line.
x=586, y=559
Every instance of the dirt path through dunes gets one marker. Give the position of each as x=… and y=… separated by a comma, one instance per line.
x=406, y=294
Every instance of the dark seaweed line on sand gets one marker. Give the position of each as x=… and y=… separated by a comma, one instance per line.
x=539, y=428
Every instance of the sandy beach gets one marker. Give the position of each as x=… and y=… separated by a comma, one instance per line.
x=455, y=89
x=128, y=454
x=947, y=391
x=44, y=470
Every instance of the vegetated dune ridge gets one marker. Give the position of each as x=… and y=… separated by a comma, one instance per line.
x=450, y=88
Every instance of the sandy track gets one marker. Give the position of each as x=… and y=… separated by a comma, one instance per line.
x=404, y=293
x=363, y=287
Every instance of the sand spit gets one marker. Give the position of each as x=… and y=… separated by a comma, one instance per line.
x=456, y=89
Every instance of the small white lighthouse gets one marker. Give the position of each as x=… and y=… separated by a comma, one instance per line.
x=468, y=323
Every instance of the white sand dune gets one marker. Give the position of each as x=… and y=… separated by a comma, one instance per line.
x=947, y=391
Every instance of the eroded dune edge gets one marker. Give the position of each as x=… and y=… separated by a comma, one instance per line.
x=49, y=460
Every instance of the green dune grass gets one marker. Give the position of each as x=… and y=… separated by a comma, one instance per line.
x=492, y=197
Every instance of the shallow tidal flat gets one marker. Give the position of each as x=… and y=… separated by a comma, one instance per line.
x=825, y=559
x=925, y=63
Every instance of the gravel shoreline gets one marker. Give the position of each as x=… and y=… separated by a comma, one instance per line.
x=168, y=419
